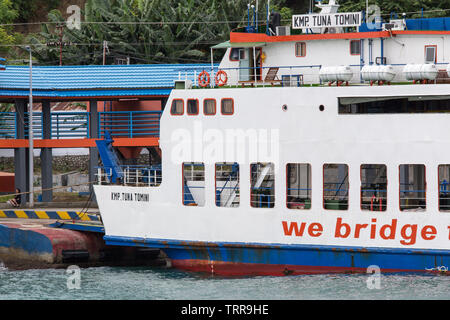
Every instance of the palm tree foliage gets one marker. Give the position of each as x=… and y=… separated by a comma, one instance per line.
x=148, y=31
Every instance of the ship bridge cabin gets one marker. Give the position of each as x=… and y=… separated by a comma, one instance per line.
x=352, y=52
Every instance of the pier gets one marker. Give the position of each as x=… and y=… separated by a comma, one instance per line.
x=57, y=238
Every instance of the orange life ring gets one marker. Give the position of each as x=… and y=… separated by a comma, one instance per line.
x=221, y=78
x=203, y=79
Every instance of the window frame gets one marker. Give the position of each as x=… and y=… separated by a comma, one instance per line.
x=187, y=107
x=238, y=54
x=221, y=107
x=361, y=185
x=251, y=186
x=350, y=44
x=177, y=114
x=215, y=107
x=435, y=53
x=238, y=181
x=439, y=189
x=287, y=185
x=400, y=186
x=303, y=46
x=323, y=186
x=182, y=183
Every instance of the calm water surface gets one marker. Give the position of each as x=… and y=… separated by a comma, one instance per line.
x=168, y=284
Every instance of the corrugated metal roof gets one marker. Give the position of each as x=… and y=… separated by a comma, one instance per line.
x=80, y=81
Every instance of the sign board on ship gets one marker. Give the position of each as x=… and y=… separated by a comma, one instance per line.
x=331, y=20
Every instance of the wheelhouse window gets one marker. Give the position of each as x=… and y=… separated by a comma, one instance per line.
x=194, y=184
x=298, y=186
x=335, y=186
x=430, y=54
x=227, y=106
x=177, y=107
x=262, y=193
x=444, y=187
x=373, y=187
x=300, y=49
x=209, y=107
x=192, y=107
x=227, y=185
x=412, y=187
x=234, y=54
x=355, y=47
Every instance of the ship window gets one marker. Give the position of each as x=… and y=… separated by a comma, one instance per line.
x=192, y=107
x=262, y=193
x=355, y=47
x=373, y=187
x=412, y=187
x=194, y=184
x=300, y=49
x=234, y=54
x=335, y=186
x=209, y=107
x=411, y=104
x=227, y=106
x=430, y=54
x=298, y=186
x=227, y=185
x=177, y=107
x=444, y=187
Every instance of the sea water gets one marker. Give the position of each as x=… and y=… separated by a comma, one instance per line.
x=149, y=283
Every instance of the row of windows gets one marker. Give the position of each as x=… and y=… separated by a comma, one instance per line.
x=300, y=48
x=373, y=187
x=209, y=107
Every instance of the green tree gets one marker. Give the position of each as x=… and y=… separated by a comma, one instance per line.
x=149, y=31
x=7, y=16
x=432, y=8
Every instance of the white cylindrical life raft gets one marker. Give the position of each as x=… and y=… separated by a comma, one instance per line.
x=420, y=71
x=383, y=73
x=336, y=73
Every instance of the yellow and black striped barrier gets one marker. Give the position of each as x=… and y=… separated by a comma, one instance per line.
x=57, y=215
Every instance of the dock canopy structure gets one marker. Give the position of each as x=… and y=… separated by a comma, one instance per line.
x=124, y=100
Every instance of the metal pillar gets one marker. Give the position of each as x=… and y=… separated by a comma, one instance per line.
x=46, y=154
x=93, y=134
x=20, y=155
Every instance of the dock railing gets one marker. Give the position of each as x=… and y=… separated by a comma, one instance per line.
x=72, y=125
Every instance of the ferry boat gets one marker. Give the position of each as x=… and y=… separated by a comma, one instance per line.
x=321, y=151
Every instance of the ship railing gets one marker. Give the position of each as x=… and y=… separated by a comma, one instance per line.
x=298, y=198
x=297, y=75
x=412, y=200
x=133, y=175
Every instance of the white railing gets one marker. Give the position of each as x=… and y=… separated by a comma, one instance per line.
x=132, y=176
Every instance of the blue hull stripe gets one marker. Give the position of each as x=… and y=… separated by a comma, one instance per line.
x=299, y=255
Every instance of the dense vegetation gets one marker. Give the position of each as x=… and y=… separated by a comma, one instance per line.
x=155, y=31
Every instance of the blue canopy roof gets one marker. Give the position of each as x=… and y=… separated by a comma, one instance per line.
x=96, y=81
